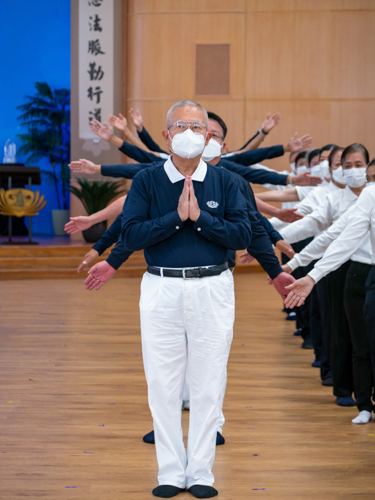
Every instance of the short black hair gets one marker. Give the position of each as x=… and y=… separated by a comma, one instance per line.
x=220, y=121
x=355, y=148
x=327, y=147
x=332, y=154
x=311, y=154
x=300, y=155
x=372, y=162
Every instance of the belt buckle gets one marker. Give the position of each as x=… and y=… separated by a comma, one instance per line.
x=184, y=271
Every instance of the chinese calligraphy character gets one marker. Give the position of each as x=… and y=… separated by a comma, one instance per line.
x=91, y=93
x=95, y=48
x=95, y=73
x=96, y=114
x=95, y=3
x=94, y=23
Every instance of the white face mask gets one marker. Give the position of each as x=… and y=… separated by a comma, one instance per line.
x=315, y=170
x=211, y=151
x=368, y=184
x=324, y=169
x=300, y=170
x=355, y=177
x=338, y=176
x=187, y=144
x=293, y=167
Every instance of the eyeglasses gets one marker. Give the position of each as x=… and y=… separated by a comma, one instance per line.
x=217, y=138
x=181, y=125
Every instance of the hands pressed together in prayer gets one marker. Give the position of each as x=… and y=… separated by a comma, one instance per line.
x=188, y=207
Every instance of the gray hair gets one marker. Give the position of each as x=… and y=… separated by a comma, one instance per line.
x=180, y=104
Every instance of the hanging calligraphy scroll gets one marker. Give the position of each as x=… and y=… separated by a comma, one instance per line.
x=95, y=63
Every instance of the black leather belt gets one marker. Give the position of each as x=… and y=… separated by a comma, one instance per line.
x=188, y=273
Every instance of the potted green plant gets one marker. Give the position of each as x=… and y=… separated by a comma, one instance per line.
x=46, y=115
x=95, y=196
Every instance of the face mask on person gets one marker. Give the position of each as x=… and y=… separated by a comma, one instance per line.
x=355, y=177
x=368, y=184
x=293, y=167
x=324, y=169
x=187, y=144
x=338, y=176
x=315, y=170
x=211, y=151
x=300, y=170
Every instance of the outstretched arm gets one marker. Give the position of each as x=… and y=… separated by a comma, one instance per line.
x=120, y=122
x=269, y=123
x=284, y=214
x=284, y=195
x=84, y=222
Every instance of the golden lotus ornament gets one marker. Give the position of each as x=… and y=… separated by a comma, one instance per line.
x=19, y=202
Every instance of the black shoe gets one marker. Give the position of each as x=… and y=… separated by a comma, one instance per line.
x=166, y=491
x=297, y=333
x=149, y=438
x=219, y=439
x=345, y=401
x=328, y=382
x=316, y=364
x=203, y=491
x=291, y=316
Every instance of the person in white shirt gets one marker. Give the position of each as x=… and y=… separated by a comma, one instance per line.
x=354, y=160
x=354, y=298
x=361, y=224
x=316, y=165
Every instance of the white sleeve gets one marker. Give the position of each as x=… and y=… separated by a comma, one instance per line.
x=278, y=224
x=315, y=250
x=311, y=225
x=359, y=223
x=307, y=206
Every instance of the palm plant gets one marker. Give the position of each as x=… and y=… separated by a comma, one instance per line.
x=97, y=194
x=46, y=115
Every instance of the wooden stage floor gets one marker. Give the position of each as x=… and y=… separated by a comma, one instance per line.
x=74, y=407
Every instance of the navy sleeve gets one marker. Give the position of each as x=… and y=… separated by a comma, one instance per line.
x=260, y=247
x=149, y=142
x=274, y=235
x=138, y=231
x=255, y=175
x=109, y=237
x=138, y=154
x=118, y=253
x=257, y=155
x=126, y=170
x=233, y=231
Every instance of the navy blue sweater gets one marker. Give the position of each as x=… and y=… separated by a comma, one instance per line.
x=260, y=246
x=150, y=220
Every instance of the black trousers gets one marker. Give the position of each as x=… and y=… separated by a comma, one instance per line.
x=303, y=312
x=369, y=313
x=354, y=301
x=322, y=290
x=316, y=324
x=341, y=344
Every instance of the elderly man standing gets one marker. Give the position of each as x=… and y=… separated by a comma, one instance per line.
x=186, y=216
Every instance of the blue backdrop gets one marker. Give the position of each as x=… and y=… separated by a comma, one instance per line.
x=35, y=37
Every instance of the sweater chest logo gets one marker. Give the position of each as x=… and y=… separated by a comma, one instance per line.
x=212, y=204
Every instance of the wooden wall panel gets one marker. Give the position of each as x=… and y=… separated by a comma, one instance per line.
x=313, y=60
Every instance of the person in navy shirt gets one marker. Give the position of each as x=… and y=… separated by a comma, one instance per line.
x=187, y=216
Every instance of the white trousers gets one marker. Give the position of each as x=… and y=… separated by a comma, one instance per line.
x=186, y=397
x=186, y=322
